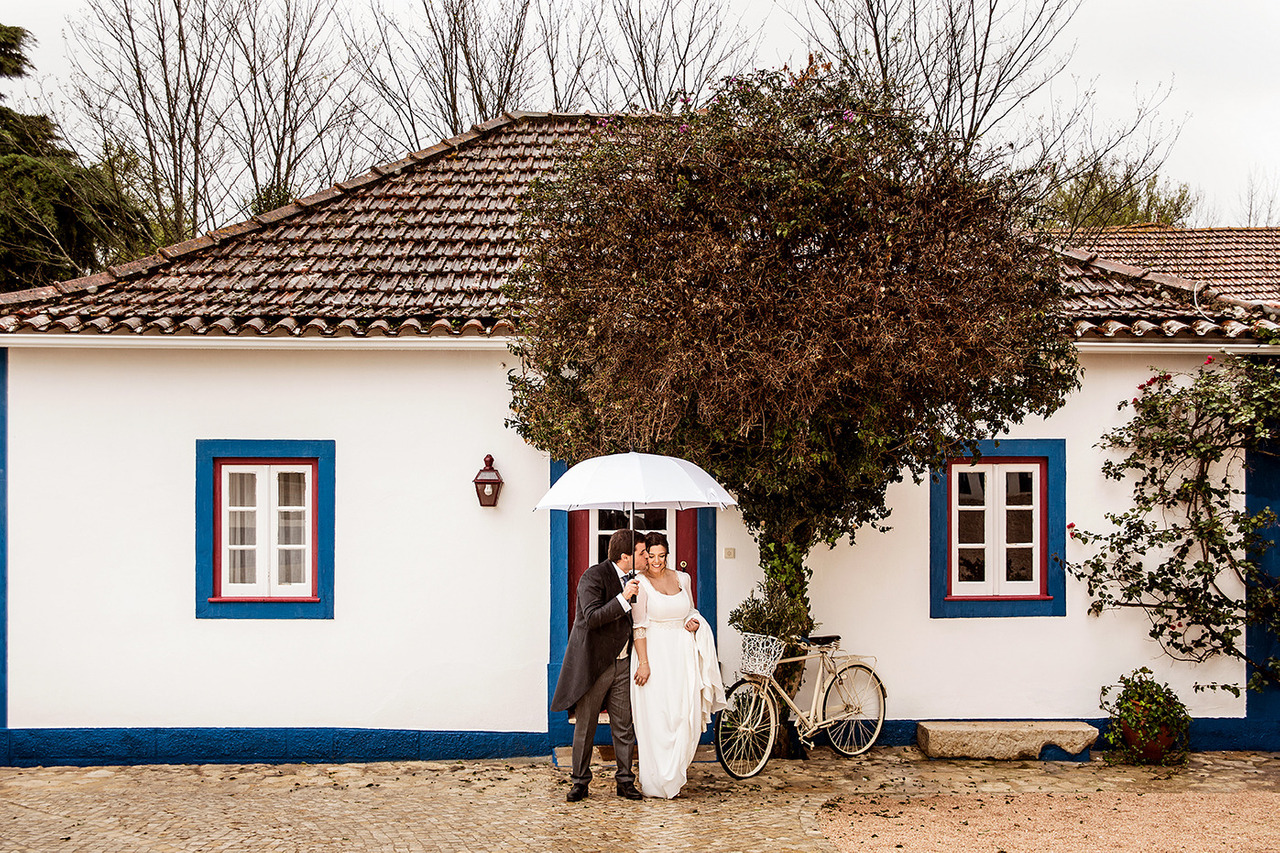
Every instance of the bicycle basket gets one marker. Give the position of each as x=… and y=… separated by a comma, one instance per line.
x=760, y=654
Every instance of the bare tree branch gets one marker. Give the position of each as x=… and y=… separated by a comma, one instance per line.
x=145, y=78
x=292, y=113
x=657, y=50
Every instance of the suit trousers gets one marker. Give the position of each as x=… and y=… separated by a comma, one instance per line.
x=612, y=690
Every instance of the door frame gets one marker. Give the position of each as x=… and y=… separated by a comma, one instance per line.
x=559, y=730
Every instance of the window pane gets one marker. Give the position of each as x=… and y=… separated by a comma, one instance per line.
x=1018, y=565
x=651, y=519
x=613, y=519
x=243, y=488
x=1017, y=529
x=290, y=565
x=602, y=548
x=1018, y=489
x=973, y=564
x=243, y=568
x=971, y=488
x=292, y=486
x=292, y=528
x=973, y=527
x=242, y=527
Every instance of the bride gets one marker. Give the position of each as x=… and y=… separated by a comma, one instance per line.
x=676, y=683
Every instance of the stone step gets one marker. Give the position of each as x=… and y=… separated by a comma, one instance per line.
x=1006, y=739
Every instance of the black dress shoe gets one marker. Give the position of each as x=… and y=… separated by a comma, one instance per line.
x=577, y=792
x=628, y=790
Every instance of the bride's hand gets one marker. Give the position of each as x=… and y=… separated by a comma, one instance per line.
x=642, y=673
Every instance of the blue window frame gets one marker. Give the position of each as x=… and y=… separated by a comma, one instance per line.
x=997, y=532
x=236, y=516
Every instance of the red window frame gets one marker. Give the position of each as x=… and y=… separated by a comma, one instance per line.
x=1042, y=557
x=218, y=464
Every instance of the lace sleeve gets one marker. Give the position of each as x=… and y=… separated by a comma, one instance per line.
x=640, y=613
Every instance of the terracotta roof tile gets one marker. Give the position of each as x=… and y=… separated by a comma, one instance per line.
x=422, y=246
x=1241, y=263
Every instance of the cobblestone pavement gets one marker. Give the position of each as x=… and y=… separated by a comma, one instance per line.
x=518, y=804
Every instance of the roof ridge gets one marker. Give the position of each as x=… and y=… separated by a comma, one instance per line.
x=379, y=171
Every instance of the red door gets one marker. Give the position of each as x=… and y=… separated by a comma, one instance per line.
x=582, y=556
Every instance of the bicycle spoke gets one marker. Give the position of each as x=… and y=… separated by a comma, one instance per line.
x=745, y=730
x=853, y=709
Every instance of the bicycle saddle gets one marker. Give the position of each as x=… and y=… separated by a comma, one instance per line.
x=823, y=640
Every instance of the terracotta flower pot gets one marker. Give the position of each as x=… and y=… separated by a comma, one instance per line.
x=1152, y=750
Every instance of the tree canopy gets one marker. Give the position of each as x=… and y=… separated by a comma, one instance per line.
x=58, y=217
x=1113, y=193
x=802, y=288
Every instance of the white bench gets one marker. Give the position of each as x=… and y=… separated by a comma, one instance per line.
x=1003, y=739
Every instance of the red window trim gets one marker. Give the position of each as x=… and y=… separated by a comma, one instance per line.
x=218, y=463
x=1043, y=464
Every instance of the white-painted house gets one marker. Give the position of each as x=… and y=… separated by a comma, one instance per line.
x=238, y=519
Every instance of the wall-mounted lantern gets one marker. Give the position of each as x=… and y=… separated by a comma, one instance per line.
x=488, y=483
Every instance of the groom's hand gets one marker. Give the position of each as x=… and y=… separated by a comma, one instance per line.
x=691, y=626
x=631, y=589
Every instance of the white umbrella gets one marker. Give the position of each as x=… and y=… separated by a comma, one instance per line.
x=627, y=481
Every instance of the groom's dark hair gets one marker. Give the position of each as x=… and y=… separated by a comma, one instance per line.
x=623, y=542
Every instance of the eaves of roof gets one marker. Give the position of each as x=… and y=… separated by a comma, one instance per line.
x=1113, y=301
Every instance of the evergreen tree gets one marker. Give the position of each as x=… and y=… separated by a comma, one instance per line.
x=58, y=217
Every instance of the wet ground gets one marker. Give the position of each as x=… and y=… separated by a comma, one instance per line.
x=519, y=804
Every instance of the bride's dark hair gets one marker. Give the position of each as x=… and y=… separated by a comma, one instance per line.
x=656, y=538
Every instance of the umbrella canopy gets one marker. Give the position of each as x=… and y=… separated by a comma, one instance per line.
x=635, y=480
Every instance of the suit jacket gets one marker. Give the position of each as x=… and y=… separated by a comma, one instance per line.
x=601, y=630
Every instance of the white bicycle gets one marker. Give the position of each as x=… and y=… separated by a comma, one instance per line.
x=851, y=712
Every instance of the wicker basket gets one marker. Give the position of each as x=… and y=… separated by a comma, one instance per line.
x=760, y=654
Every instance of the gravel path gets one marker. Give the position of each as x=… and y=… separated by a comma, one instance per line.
x=1241, y=822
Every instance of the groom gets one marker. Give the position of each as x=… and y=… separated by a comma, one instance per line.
x=597, y=663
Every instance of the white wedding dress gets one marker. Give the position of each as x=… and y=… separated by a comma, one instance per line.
x=674, y=706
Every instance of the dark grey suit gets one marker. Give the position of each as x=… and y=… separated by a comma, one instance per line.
x=593, y=676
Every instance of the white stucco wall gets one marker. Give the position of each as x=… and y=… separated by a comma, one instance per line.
x=436, y=599
x=876, y=594
x=441, y=607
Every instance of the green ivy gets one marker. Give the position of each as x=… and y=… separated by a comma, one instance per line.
x=1149, y=710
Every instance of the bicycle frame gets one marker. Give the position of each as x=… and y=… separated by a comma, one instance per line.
x=811, y=722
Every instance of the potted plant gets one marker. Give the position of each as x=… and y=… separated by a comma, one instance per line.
x=1148, y=723
x=775, y=613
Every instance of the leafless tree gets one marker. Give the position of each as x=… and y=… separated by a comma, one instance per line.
x=1259, y=200
x=146, y=77
x=460, y=62
x=568, y=42
x=655, y=51
x=970, y=64
x=291, y=115
x=979, y=70
x=225, y=107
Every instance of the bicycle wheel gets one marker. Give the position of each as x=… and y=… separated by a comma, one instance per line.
x=855, y=702
x=745, y=730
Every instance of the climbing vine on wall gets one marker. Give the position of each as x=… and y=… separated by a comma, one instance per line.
x=1187, y=552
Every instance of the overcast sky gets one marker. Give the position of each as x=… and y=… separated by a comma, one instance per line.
x=1216, y=60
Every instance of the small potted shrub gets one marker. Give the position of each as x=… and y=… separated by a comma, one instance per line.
x=1149, y=724
x=775, y=613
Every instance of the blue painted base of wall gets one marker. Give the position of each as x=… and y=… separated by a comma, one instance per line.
x=30, y=747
